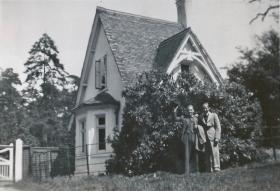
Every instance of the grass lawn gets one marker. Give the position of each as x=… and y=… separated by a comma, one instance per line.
x=257, y=177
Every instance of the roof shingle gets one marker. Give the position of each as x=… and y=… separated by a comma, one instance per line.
x=134, y=40
x=168, y=48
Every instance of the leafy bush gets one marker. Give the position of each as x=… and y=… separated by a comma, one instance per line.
x=149, y=139
x=64, y=162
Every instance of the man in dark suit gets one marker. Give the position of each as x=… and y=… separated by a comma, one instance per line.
x=189, y=139
x=212, y=128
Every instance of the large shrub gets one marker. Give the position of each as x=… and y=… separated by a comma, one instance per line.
x=149, y=139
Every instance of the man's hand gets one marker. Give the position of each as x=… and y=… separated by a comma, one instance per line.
x=216, y=141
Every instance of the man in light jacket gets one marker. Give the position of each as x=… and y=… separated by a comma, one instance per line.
x=212, y=127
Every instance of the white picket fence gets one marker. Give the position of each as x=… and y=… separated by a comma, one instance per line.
x=10, y=165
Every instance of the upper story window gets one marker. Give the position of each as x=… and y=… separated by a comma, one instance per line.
x=101, y=73
x=185, y=68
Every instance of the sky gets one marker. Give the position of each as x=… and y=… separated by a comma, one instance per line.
x=221, y=26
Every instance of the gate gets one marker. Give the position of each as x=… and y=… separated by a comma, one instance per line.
x=7, y=162
x=11, y=161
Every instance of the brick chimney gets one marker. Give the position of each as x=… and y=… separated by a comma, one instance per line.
x=182, y=6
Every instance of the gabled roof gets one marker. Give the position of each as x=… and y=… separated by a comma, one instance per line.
x=134, y=40
x=208, y=59
x=168, y=48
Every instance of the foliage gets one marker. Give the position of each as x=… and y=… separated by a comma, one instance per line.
x=259, y=71
x=43, y=64
x=48, y=116
x=49, y=95
x=64, y=163
x=149, y=139
x=41, y=112
x=12, y=113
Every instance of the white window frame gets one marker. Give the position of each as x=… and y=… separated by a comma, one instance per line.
x=99, y=127
x=83, y=133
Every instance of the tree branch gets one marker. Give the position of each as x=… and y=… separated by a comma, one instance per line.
x=251, y=1
x=263, y=15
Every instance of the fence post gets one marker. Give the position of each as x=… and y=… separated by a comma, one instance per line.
x=12, y=164
x=18, y=160
x=274, y=152
x=273, y=143
x=46, y=165
x=40, y=169
x=34, y=169
x=87, y=159
x=30, y=161
x=68, y=160
x=51, y=168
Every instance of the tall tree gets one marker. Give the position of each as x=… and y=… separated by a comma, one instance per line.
x=67, y=97
x=9, y=104
x=12, y=113
x=43, y=65
x=48, y=92
x=259, y=71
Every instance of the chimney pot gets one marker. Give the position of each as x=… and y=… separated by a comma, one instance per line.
x=182, y=12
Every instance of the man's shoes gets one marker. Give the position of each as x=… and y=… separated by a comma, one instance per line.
x=217, y=170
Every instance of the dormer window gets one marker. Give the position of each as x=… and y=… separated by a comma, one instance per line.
x=101, y=73
x=185, y=67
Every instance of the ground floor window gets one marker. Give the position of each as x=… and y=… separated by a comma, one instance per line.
x=83, y=136
x=101, y=127
x=102, y=144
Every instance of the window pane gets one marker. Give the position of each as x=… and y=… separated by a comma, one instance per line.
x=83, y=136
x=103, y=73
x=103, y=82
x=97, y=74
x=101, y=121
x=102, y=144
x=83, y=141
x=185, y=68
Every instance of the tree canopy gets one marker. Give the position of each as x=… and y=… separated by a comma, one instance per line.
x=12, y=113
x=50, y=93
x=259, y=71
x=43, y=65
x=40, y=112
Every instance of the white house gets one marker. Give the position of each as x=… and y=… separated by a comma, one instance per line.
x=121, y=46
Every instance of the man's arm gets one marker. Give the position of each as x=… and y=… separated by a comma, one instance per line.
x=175, y=114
